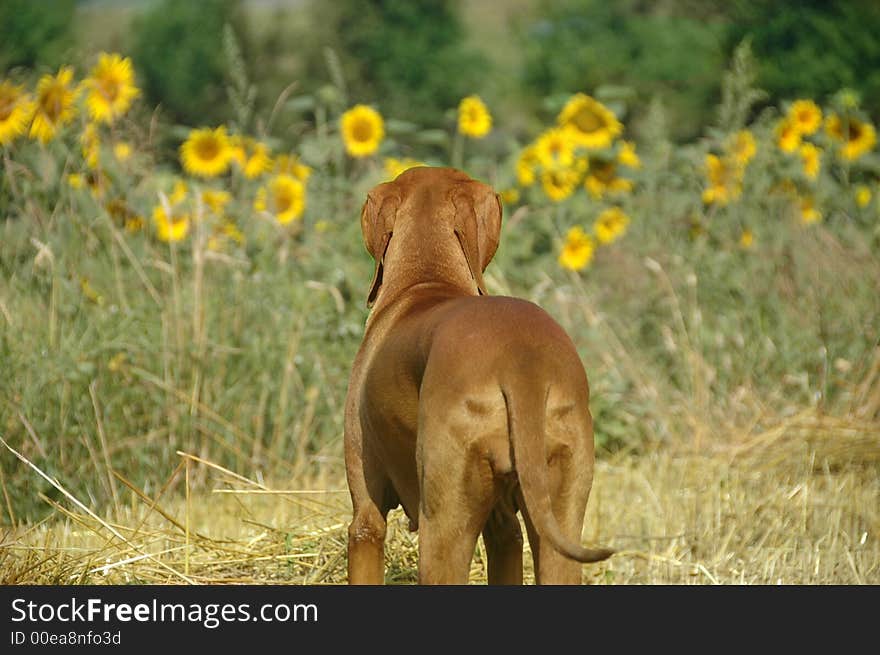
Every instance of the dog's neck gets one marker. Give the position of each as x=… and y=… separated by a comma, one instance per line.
x=423, y=265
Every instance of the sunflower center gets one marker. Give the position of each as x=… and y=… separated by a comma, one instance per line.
x=282, y=199
x=557, y=179
x=7, y=104
x=108, y=88
x=207, y=149
x=587, y=121
x=52, y=102
x=556, y=148
x=362, y=130
x=854, y=131
x=604, y=172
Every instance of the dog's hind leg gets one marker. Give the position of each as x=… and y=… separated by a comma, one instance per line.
x=457, y=494
x=366, y=542
x=504, y=546
x=371, y=498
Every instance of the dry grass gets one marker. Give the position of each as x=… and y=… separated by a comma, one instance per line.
x=796, y=504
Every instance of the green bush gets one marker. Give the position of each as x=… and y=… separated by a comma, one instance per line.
x=582, y=45
x=35, y=33
x=677, y=50
x=178, y=49
x=406, y=55
x=813, y=49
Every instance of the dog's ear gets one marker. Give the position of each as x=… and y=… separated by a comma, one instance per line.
x=477, y=227
x=377, y=225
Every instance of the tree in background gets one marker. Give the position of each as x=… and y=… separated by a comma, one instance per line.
x=813, y=48
x=35, y=34
x=677, y=50
x=405, y=55
x=657, y=49
x=178, y=50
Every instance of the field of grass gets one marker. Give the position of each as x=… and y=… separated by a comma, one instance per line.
x=759, y=513
x=170, y=409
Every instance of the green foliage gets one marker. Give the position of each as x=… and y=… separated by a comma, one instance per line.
x=738, y=93
x=408, y=56
x=582, y=45
x=813, y=49
x=178, y=49
x=35, y=33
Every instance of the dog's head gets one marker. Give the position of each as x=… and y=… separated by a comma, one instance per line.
x=465, y=209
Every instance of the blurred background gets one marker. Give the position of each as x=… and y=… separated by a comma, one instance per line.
x=414, y=60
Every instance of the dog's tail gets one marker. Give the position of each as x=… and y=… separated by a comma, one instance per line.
x=525, y=412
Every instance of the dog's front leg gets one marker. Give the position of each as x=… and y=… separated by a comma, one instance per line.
x=366, y=533
x=366, y=545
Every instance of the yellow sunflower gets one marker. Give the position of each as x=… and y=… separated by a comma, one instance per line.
x=811, y=157
x=231, y=230
x=474, y=119
x=284, y=197
x=555, y=148
x=805, y=116
x=206, y=152
x=577, y=251
x=251, y=156
x=134, y=224
x=178, y=193
x=119, y=211
x=362, y=130
x=394, y=167
x=863, y=196
x=225, y=233
x=610, y=225
x=742, y=147
x=110, y=87
x=291, y=165
x=746, y=239
x=526, y=165
x=90, y=141
x=173, y=228
x=592, y=124
x=16, y=109
x=602, y=178
x=215, y=200
x=259, y=162
x=510, y=196
x=856, y=137
x=725, y=180
x=559, y=182
x=122, y=151
x=54, y=108
x=808, y=211
x=627, y=155
x=788, y=138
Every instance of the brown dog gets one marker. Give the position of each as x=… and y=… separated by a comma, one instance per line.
x=463, y=409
